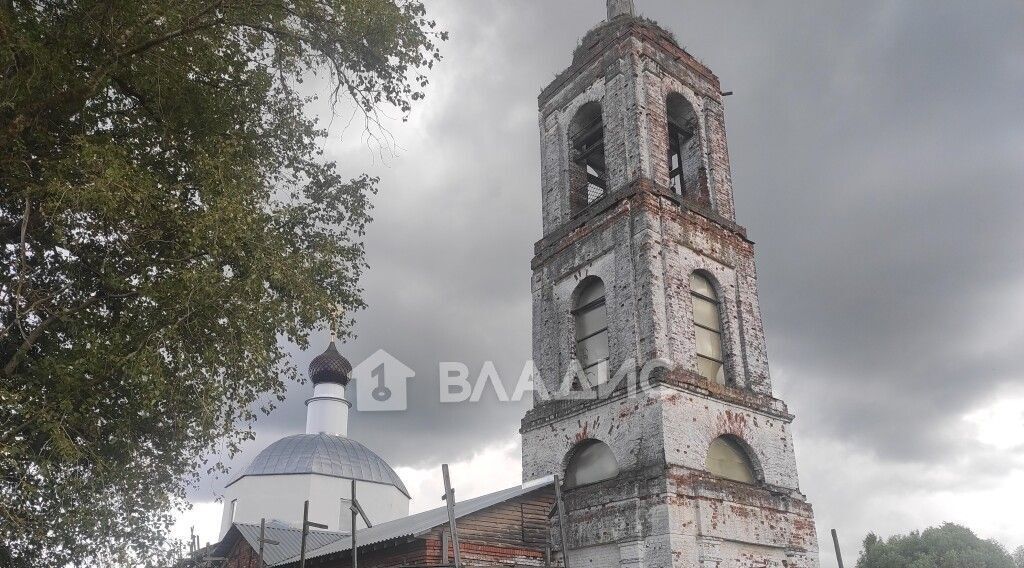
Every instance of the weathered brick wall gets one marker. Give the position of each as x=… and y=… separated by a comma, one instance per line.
x=644, y=250
x=631, y=69
x=664, y=509
x=669, y=425
x=631, y=426
x=663, y=493
x=689, y=241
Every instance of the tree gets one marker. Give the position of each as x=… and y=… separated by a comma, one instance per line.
x=168, y=220
x=1018, y=557
x=948, y=546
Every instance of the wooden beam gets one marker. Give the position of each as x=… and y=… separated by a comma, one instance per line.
x=449, y=497
x=839, y=553
x=562, y=522
x=355, y=549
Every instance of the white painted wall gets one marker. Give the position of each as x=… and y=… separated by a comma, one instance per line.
x=280, y=497
x=327, y=410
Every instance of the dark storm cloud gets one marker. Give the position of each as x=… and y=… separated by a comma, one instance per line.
x=896, y=162
x=877, y=152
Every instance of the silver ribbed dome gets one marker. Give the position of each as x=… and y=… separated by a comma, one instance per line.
x=324, y=454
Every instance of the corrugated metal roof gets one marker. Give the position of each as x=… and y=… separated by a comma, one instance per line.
x=324, y=454
x=420, y=522
x=290, y=540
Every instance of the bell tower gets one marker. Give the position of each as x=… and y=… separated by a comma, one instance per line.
x=641, y=259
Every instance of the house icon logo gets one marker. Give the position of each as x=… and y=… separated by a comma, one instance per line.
x=381, y=383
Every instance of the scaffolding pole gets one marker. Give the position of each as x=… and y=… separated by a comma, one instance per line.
x=563, y=531
x=449, y=497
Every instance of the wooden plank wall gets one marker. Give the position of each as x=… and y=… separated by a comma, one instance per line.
x=242, y=556
x=513, y=534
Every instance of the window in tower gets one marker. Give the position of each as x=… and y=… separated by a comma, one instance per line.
x=588, y=172
x=592, y=461
x=591, y=317
x=728, y=459
x=707, y=323
x=684, y=158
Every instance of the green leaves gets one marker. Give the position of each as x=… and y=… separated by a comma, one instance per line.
x=168, y=219
x=948, y=546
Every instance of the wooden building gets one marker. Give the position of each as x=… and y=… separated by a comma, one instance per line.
x=509, y=528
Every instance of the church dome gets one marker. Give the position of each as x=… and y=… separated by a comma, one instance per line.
x=330, y=367
x=323, y=454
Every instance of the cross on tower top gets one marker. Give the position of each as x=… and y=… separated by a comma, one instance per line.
x=618, y=8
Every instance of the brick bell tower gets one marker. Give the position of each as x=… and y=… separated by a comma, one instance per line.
x=642, y=259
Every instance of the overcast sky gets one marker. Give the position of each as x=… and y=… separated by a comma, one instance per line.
x=878, y=159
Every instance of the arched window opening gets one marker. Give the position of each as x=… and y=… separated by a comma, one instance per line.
x=588, y=179
x=707, y=323
x=591, y=315
x=728, y=459
x=684, y=155
x=591, y=461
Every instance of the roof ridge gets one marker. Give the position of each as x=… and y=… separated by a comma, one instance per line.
x=277, y=527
